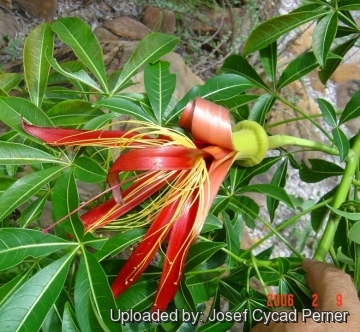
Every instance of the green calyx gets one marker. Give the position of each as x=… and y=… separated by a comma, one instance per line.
x=251, y=142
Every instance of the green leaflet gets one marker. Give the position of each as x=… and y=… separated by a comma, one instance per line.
x=328, y=112
x=341, y=142
x=323, y=37
x=270, y=30
x=36, y=67
x=13, y=109
x=25, y=188
x=92, y=285
x=160, y=86
x=16, y=244
x=121, y=105
x=9, y=81
x=352, y=108
x=21, y=154
x=78, y=35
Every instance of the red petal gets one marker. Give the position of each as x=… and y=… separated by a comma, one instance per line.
x=145, y=251
x=60, y=136
x=208, y=122
x=110, y=210
x=181, y=237
x=167, y=158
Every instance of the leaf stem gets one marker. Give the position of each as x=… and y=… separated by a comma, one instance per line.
x=296, y=119
x=275, y=232
x=285, y=224
x=271, y=264
x=339, y=198
x=278, y=141
x=259, y=275
x=349, y=22
x=298, y=110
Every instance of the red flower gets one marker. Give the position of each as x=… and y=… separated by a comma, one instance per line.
x=188, y=172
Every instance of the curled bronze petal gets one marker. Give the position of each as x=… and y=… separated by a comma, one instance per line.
x=208, y=122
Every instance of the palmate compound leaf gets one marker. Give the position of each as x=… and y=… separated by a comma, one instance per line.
x=88, y=170
x=81, y=76
x=248, y=207
x=240, y=176
x=16, y=244
x=27, y=308
x=149, y=50
x=78, y=35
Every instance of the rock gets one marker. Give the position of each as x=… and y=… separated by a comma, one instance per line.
x=344, y=92
x=161, y=20
x=6, y=4
x=42, y=10
x=105, y=35
x=8, y=26
x=345, y=72
x=304, y=128
x=185, y=78
x=116, y=53
x=303, y=40
x=213, y=19
x=127, y=28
